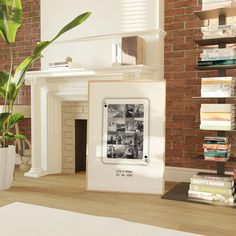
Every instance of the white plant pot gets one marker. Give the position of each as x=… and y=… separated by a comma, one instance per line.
x=7, y=166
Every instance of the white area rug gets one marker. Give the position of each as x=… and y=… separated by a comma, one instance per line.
x=20, y=219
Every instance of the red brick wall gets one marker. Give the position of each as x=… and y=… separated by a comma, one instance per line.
x=183, y=137
x=28, y=35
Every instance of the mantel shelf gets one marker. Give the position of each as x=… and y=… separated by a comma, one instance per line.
x=201, y=157
x=215, y=67
x=215, y=41
x=91, y=72
x=215, y=13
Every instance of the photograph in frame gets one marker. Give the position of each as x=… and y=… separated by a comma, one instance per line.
x=125, y=131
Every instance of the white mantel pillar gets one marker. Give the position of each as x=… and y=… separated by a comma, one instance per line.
x=36, y=169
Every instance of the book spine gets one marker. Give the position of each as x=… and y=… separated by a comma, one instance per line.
x=216, y=146
x=217, y=58
x=211, y=189
x=216, y=139
x=216, y=63
x=224, y=184
x=211, y=196
x=221, y=159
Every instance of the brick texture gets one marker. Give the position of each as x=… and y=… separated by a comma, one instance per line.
x=183, y=137
x=70, y=112
x=27, y=36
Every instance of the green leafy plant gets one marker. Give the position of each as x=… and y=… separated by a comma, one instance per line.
x=11, y=81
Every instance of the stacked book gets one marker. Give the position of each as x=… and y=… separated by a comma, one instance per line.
x=211, y=187
x=216, y=54
x=217, y=87
x=217, y=116
x=216, y=148
x=214, y=4
x=217, y=57
x=218, y=31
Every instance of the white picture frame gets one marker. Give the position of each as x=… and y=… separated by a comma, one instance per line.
x=125, y=131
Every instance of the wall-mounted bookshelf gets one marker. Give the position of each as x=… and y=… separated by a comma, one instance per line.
x=180, y=191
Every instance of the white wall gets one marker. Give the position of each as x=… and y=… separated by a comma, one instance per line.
x=108, y=17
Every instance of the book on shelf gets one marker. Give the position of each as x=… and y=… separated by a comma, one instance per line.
x=212, y=189
x=213, y=180
x=220, y=54
x=215, y=153
x=219, y=51
x=217, y=116
x=217, y=107
x=217, y=127
x=218, y=31
x=211, y=196
x=213, y=139
x=216, y=146
x=216, y=63
x=218, y=159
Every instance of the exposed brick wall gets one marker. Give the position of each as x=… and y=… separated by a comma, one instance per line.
x=27, y=36
x=183, y=137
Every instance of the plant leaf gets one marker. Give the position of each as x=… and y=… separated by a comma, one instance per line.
x=15, y=118
x=20, y=136
x=10, y=19
x=77, y=21
x=4, y=76
x=23, y=67
x=3, y=118
x=9, y=135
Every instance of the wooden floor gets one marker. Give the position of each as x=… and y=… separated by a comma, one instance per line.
x=68, y=192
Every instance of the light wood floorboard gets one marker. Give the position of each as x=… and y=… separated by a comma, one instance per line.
x=68, y=192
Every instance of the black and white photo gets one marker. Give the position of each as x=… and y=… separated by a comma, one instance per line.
x=124, y=129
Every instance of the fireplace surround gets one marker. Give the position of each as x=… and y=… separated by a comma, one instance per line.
x=49, y=89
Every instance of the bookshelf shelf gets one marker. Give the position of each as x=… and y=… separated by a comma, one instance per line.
x=228, y=67
x=215, y=41
x=215, y=13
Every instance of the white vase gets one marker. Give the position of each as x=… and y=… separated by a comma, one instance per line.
x=7, y=166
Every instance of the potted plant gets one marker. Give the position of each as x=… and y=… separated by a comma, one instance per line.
x=11, y=82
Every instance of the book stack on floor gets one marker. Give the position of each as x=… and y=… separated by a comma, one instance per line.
x=217, y=87
x=214, y=4
x=216, y=149
x=217, y=116
x=210, y=187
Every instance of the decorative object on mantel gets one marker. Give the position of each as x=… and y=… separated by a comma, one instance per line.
x=11, y=82
x=68, y=63
x=116, y=54
x=132, y=50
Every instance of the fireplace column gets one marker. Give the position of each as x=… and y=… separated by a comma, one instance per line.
x=36, y=169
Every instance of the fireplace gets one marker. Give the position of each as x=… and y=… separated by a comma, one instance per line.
x=51, y=92
x=74, y=117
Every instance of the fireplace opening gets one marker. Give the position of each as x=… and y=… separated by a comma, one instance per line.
x=80, y=145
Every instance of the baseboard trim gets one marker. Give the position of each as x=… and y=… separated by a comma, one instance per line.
x=180, y=174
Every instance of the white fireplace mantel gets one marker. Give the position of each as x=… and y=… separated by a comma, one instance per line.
x=48, y=89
